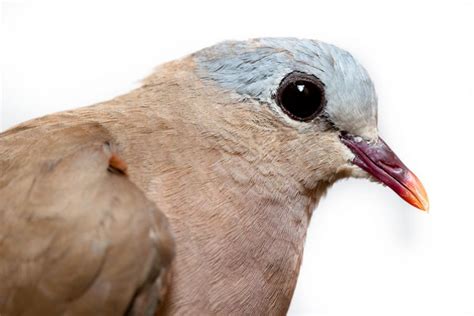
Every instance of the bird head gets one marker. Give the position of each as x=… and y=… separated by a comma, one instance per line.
x=308, y=109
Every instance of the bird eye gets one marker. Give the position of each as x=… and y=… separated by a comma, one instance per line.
x=301, y=96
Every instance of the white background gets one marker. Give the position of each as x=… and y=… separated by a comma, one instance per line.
x=367, y=253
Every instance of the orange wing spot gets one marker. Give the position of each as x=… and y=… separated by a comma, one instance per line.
x=117, y=165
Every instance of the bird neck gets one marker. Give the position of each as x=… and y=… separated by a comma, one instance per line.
x=239, y=226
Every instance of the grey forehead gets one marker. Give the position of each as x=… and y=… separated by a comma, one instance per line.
x=255, y=68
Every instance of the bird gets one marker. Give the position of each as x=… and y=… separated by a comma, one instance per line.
x=191, y=194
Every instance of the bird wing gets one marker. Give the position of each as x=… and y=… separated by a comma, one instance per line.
x=77, y=237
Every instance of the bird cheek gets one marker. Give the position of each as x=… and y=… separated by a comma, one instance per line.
x=328, y=163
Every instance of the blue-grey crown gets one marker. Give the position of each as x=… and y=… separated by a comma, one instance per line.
x=254, y=69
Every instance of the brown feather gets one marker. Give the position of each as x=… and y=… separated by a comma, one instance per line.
x=223, y=171
x=71, y=232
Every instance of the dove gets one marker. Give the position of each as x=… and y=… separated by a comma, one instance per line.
x=192, y=194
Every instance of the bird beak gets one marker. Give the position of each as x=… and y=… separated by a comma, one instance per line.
x=380, y=161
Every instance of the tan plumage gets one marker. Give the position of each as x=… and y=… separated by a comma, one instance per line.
x=73, y=226
x=237, y=182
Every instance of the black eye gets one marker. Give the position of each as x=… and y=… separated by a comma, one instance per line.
x=301, y=96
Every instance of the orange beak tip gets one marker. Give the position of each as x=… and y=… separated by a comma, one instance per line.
x=417, y=192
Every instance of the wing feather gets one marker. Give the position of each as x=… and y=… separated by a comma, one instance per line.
x=77, y=237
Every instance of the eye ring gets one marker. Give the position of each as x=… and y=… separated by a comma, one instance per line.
x=301, y=96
